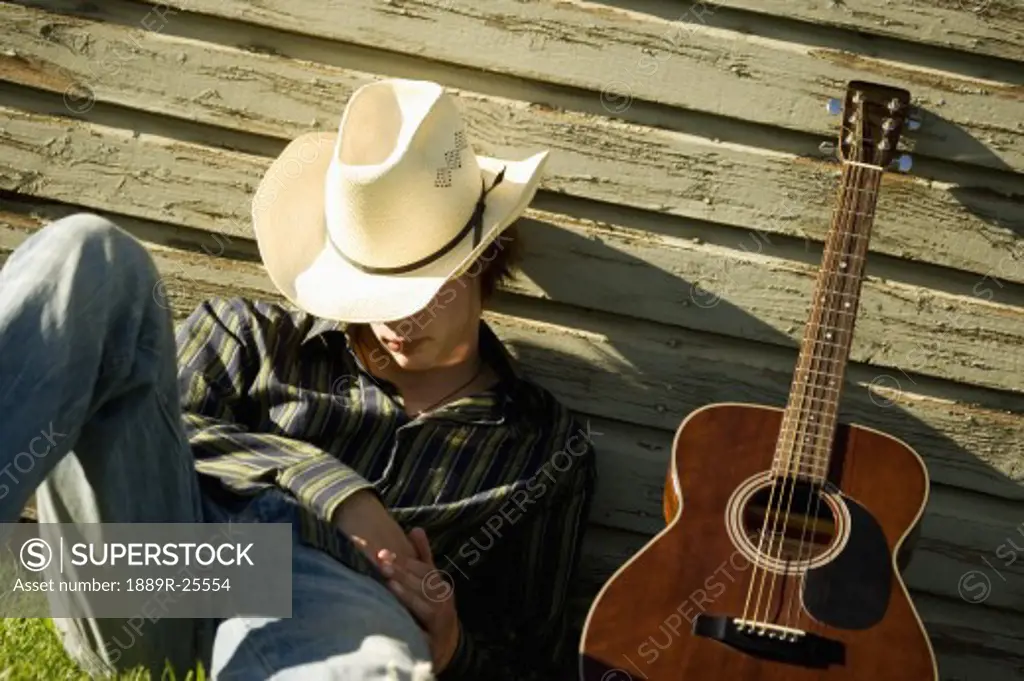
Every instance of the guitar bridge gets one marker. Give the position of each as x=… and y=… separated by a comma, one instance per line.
x=772, y=642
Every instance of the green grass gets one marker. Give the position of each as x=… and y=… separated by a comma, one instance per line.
x=31, y=651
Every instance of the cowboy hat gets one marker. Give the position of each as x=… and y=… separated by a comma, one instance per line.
x=366, y=224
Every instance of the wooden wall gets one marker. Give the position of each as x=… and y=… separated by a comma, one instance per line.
x=672, y=250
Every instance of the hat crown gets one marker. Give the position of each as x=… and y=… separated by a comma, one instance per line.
x=403, y=180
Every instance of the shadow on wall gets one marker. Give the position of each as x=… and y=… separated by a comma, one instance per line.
x=649, y=368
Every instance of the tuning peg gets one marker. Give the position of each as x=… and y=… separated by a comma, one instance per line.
x=904, y=163
x=827, y=148
x=834, y=107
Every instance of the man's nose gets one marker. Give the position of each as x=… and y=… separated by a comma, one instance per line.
x=404, y=327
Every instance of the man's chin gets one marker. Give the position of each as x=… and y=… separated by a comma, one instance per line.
x=413, y=361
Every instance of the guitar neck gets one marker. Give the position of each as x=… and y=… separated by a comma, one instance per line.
x=809, y=422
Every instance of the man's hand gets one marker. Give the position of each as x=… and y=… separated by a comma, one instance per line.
x=418, y=584
x=364, y=520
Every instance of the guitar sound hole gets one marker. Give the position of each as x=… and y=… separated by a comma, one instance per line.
x=791, y=523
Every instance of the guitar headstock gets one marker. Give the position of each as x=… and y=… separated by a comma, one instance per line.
x=874, y=117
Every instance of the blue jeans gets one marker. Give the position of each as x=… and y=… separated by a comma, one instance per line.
x=90, y=421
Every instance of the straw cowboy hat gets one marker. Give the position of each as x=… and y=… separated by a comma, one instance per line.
x=367, y=224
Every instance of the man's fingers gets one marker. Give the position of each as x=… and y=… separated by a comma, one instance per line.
x=410, y=574
x=418, y=568
x=419, y=540
x=412, y=598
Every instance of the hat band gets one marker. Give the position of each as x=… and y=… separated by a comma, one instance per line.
x=475, y=223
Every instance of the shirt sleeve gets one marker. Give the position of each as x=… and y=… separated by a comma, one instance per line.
x=522, y=631
x=218, y=361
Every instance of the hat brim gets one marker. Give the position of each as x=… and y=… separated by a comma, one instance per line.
x=291, y=233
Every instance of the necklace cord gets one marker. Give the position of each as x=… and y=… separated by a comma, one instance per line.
x=359, y=347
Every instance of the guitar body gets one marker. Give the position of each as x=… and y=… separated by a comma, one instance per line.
x=835, y=608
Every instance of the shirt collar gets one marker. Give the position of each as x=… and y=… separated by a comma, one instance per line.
x=498, y=405
x=320, y=326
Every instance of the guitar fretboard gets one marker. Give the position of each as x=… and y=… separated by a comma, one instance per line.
x=809, y=421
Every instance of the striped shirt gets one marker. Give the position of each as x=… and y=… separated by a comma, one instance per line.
x=501, y=480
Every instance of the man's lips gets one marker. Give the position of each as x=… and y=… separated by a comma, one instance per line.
x=400, y=343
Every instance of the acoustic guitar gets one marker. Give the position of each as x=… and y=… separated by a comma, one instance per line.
x=781, y=559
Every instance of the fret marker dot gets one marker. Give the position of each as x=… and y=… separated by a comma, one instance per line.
x=828, y=336
x=843, y=264
x=847, y=304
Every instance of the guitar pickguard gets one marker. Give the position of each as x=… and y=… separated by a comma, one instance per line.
x=853, y=590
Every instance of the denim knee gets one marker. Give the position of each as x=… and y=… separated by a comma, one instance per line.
x=86, y=235
x=97, y=252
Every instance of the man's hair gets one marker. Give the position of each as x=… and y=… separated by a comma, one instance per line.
x=498, y=262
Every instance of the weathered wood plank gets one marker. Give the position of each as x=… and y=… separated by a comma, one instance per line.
x=143, y=176
x=903, y=328
x=675, y=60
x=750, y=295
x=594, y=157
x=972, y=642
x=651, y=377
x=990, y=27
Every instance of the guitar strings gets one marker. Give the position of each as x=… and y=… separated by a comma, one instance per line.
x=758, y=561
x=866, y=199
x=787, y=446
x=801, y=429
x=783, y=447
x=832, y=251
x=853, y=252
x=832, y=358
x=828, y=290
